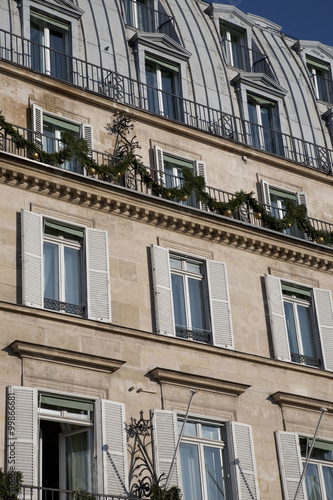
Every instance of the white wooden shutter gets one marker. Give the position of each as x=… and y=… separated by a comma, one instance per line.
x=98, y=285
x=302, y=199
x=165, y=437
x=277, y=318
x=22, y=436
x=87, y=134
x=265, y=194
x=324, y=310
x=159, y=165
x=37, y=125
x=164, y=316
x=32, y=259
x=290, y=464
x=242, y=461
x=200, y=169
x=114, y=452
x=220, y=313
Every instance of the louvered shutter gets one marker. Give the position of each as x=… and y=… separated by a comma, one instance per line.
x=324, y=310
x=114, y=453
x=87, y=134
x=37, y=125
x=159, y=165
x=165, y=437
x=220, y=312
x=302, y=199
x=200, y=169
x=265, y=194
x=277, y=318
x=32, y=259
x=290, y=464
x=164, y=316
x=22, y=436
x=242, y=461
x=98, y=285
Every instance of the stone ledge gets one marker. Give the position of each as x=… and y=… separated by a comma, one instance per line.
x=304, y=402
x=65, y=356
x=165, y=376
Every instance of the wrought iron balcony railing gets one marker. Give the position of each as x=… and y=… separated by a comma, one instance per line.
x=41, y=493
x=323, y=87
x=139, y=15
x=132, y=93
x=197, y=335
x=56, y=305
x=242, y=57
x=305, y=360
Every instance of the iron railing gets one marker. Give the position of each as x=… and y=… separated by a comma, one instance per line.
x=241, y=57
x=323, y=87
x=139, y=15
x=41, y=493
x=305, y=360
x=130, y=92
x=56, y=305
x=204, y=336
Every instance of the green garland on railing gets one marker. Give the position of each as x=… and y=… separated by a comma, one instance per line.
x=78, y=148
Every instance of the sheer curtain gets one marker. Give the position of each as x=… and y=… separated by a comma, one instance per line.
x=190, y=472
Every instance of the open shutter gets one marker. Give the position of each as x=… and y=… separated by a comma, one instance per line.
x=87, y=135
x=242, y=461
x=290, y=464
x=302, y=199
x=32, y=259
x=220, y=313
x=22, y=433
x=98, y=285
x=165, y=437
x=324, y=310
x=277, y=318
x=159, y=165
x=164, y=317
x=265, y=192
x=200, y=169
x=114, y=451
x=37, y=125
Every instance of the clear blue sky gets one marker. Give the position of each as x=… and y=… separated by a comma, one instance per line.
x=303, y=19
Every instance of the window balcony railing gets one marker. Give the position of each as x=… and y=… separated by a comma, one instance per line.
x=56, y=305
x=241, y=57
x=323, y=87
x=196, y=335
x=41, y=493
x=132, y=93
x=139, y=15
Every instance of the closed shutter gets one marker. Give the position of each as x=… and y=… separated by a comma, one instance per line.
x=37, y=125
x=32, y=259
x=290, y=464
x=265, y=194
x=200, y=169
x=165, y=437
x=277, y=318
x=242, y=461
x=164, y=316
x=98, y=285
x=87, y=134
x=159, y=165
x=22, y=436
x=114, y=451
x=220, y=312
x=324, y=310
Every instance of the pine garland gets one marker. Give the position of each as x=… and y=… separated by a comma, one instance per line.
x=127, y=158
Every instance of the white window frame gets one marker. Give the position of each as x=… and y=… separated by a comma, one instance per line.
x=96, y=279
x=323, y=320
x=313, y=67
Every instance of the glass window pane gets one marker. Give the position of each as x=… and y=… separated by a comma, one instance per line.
x=304, y=318
x=291, y=327
x=197, y=309
x=312, y=482
x=189, y=460
x=254, y=129
x=175, y=263
x=51, y=271
x=190, y=428
x=328, y=480
x=211, y=432
x=178, y=300
x=72, y=275
x=214, y=473
x=169, y=100
x=193, y=267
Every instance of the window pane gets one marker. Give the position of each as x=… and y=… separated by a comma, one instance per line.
x=312, y=483
x=254, y=129
x=214, y=474
x=190, y=428
x=328, y=480
x=51, y=271
x=197, y=309
x=210, y=432
x=72, y=275
x=190, y=472
x=152, y=86
x=291, y=327
x=193, y=267
x=58, y=58
x=37, y=39
x=178, y=300
x=267, y=132
x=175, y=263
x=169, y=101
x=304, y=318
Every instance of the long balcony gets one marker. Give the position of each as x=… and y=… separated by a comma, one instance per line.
x=132, y=93
x=132, y=180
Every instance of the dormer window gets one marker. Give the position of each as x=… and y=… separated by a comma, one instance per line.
x=139, y=14
x=319, y=72
x=234, y=44
x=162, y=81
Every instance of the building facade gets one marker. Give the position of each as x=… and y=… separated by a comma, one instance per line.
x=120, y=296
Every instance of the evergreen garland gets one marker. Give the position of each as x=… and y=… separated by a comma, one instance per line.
x=125, y=157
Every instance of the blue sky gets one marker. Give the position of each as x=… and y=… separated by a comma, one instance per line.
x=303, y=19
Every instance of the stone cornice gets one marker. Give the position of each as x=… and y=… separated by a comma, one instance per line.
x=295, y=400
x=77, y=189
x=165, y=376
x=65, y=356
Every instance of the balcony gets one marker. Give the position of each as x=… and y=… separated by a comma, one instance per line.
x=132, y=180
x=132, y=93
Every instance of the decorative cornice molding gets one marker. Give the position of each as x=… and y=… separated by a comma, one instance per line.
x=304, y=402
x=165, y=376
x=65, y=357
x=99, y=195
